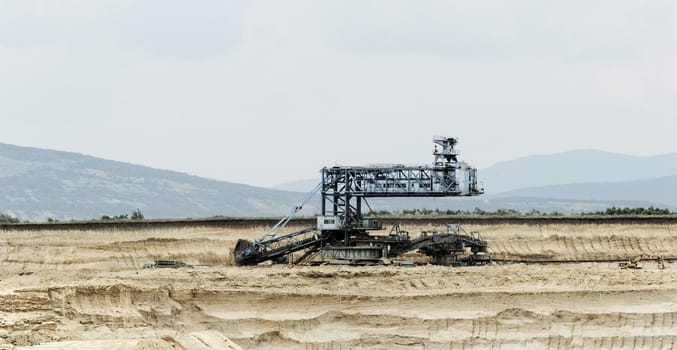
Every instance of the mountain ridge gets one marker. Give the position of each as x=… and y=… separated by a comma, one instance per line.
x=659, y=191
x=575, y=167
x=528, y=171
x=36, y=184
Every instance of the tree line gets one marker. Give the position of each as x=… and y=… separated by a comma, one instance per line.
x=135, y=215
x=634, y=211
x=640, y=211
x=512, y=212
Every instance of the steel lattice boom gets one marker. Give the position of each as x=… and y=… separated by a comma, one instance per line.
x=344, y=187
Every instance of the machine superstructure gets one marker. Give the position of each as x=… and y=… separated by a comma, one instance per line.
x=342, y=233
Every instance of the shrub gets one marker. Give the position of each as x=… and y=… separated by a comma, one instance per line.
x=8, y=219
x=136, y=215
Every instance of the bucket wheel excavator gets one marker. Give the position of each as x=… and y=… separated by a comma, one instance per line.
x=343, y=235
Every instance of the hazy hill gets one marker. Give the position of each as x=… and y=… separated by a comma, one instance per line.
x=581, y=166
x=584, y=180
x=661, y=191
x=36, y=184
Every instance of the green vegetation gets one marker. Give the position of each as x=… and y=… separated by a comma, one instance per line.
x=136, y=215
x=512, y=212
x=449, y=212
x=634, y=211
x=8, y=219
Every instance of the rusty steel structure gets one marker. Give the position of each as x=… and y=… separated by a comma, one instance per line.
x=342, y=233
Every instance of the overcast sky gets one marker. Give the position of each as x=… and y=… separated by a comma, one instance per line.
x=264, y=92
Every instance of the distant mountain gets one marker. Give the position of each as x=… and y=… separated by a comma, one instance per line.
x=36, y=184
x=660, y=192
x=584, y=180
x=581, y=166
x=556, y=169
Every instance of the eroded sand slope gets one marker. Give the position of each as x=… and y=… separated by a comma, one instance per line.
x=86, y=290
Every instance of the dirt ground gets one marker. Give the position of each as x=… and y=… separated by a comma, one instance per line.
x=87, y=290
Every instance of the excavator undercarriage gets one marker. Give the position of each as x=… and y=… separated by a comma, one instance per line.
x=454, y=247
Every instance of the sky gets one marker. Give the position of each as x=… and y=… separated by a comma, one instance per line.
x=265, y=92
